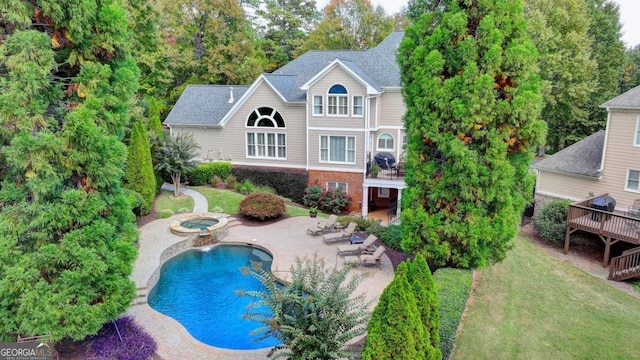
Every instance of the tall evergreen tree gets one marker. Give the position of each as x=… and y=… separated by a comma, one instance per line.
x=288, y=23
x=395, y=330
x=66, y=229
x=138, y=174
x=472, y=96
x=424, y=290
x=631, y=76
x=559, y=30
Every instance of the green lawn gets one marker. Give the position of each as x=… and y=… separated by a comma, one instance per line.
x=166, y=201
x=229, y=201
x=532, y=306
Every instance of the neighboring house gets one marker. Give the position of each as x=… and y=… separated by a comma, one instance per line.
x=605, y=162
x=326, y=112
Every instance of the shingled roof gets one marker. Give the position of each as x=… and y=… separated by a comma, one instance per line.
x=628, y=100
x=208, y=104
x=204, y=104
x=581, y=159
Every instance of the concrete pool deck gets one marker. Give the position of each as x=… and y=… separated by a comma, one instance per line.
x=285, y=240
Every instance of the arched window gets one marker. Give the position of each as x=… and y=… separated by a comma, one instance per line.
x=385, y=142
x=266, y=143
x=338, y=101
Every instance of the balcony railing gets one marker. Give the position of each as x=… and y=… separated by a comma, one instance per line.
x=395, y=172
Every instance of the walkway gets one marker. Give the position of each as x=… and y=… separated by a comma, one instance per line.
x=285, y=240
x=200, y=203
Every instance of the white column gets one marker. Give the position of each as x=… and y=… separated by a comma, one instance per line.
x=399, y=201
x=365, y=200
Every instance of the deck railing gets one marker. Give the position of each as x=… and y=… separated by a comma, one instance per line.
x=607, y=224
x=394, y=173
x=625, y=266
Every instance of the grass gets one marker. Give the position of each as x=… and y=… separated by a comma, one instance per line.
x=532, y=306
x=229, y=201
x=167, y=202
x=453, y=286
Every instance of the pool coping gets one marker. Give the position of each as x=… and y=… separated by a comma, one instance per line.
x=157, y=244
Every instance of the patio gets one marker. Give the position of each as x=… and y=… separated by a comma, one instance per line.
x=285, y=239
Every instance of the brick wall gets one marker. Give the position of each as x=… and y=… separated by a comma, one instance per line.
x=354, y=187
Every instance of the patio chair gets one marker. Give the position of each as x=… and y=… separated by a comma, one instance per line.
x=366, y=258
x=340, y=235
x=329, y=224
x=345, y=249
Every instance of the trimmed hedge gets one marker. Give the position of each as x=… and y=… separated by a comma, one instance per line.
x=289, y=184
x=262, y=206
x=202, y=174
x=454, y=286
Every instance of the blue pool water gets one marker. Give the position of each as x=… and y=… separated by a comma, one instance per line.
x=197, y=289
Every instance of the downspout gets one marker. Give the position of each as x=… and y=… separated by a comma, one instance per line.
x=606, y=137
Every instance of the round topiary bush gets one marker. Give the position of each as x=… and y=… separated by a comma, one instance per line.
x=262, y=206
x=551, y=221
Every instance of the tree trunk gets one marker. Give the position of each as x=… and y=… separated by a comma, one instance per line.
x=176, y=184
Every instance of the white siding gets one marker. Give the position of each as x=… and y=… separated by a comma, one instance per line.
x=337, y=76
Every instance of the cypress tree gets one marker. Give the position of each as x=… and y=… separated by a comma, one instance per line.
x=138, y=173
x=395, y=330
x=67, y=82
x=473, y=100
x=426, y=294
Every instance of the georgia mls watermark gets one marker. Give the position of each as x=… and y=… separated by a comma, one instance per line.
x=26, y=351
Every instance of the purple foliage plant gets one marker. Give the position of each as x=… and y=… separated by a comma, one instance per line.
x=136, y=344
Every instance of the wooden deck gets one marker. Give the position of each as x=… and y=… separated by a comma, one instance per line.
x=610, y=227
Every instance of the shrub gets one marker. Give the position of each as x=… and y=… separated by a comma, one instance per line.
x=230, y=182
x=262, y=206
x=287, y=183
x=363, y=224
x=264, y=188
x=315, y=314
x=246, y=187
x=138, y=174
x=217, y=210
x=216, y=181
x=203, y=174
x=182, y=210
x=165, y=214
x=334, y=200
x=550, y=221
x=392, y=236
x=136, y=344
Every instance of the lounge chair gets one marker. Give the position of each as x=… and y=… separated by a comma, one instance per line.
x=329, y=224
x=367, y=258
x=344, y=249
x=340, y=235
x=323, y=226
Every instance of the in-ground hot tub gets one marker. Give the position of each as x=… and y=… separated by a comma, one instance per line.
x=206, y=228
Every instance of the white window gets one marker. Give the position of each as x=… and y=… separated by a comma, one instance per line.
x=343, y=186
x=317, y=105
x=385, y=142
x=265, y=143
x=357, y=106
x=633, y=180
x=340, y=149
x=338, y=101
x=637, y=137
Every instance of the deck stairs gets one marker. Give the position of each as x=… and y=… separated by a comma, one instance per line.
x=625, y=266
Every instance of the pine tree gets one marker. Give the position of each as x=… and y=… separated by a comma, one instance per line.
x=472, y=96
x=426, y=294
x=66, y=228
x=395, y=330
x=138, y=174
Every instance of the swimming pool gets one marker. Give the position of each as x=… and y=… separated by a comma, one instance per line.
x=196, y=288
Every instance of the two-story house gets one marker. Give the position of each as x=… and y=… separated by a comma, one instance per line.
x=605, y=162
x=327, y=112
